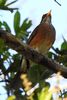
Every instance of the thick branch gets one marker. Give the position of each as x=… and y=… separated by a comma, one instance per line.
x=31, y=54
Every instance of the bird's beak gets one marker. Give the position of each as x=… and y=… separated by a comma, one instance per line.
x=49, y=13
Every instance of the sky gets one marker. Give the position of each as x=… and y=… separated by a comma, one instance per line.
x=34, y=9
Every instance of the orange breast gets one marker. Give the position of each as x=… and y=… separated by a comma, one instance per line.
x=43, y=38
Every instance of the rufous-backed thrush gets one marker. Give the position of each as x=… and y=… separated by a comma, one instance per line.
x=43, y=36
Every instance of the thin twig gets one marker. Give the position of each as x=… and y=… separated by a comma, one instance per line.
x=6, y=8
x=5, y=81
x=57, y=2
x=11, y=3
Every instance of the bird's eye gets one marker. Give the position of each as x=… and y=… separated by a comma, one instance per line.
x=44, y=16
x=43, y=19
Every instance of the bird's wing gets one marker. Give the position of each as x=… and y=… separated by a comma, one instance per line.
x=33, y=34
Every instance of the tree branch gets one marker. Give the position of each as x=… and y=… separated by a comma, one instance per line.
x=57, y=2
x=7, y=8
x=31, y=54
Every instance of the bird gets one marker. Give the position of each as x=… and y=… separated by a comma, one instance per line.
x=43, y=36
x=41, y=39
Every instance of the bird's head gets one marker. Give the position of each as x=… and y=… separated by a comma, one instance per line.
x=46, y=18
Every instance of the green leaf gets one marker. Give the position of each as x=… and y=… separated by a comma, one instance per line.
x=44, y=84
x=2, y=67
x=0, y=24
x=40, y=71
x=64, y=45
x=11, y=97
x=17, y=22
x=65, y=95
x=6, y=26
x=23, y=33
x=6, y=55
x=50, y=54
x=45, y=94
x=26, y=24
x=2, y=2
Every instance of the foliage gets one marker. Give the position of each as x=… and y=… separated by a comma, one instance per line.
x=21, y=31
x=4, y=5
x=45, y=95
x=37, y=73
x=2, y=2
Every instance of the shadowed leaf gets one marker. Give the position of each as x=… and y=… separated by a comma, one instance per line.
x=17, y=22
